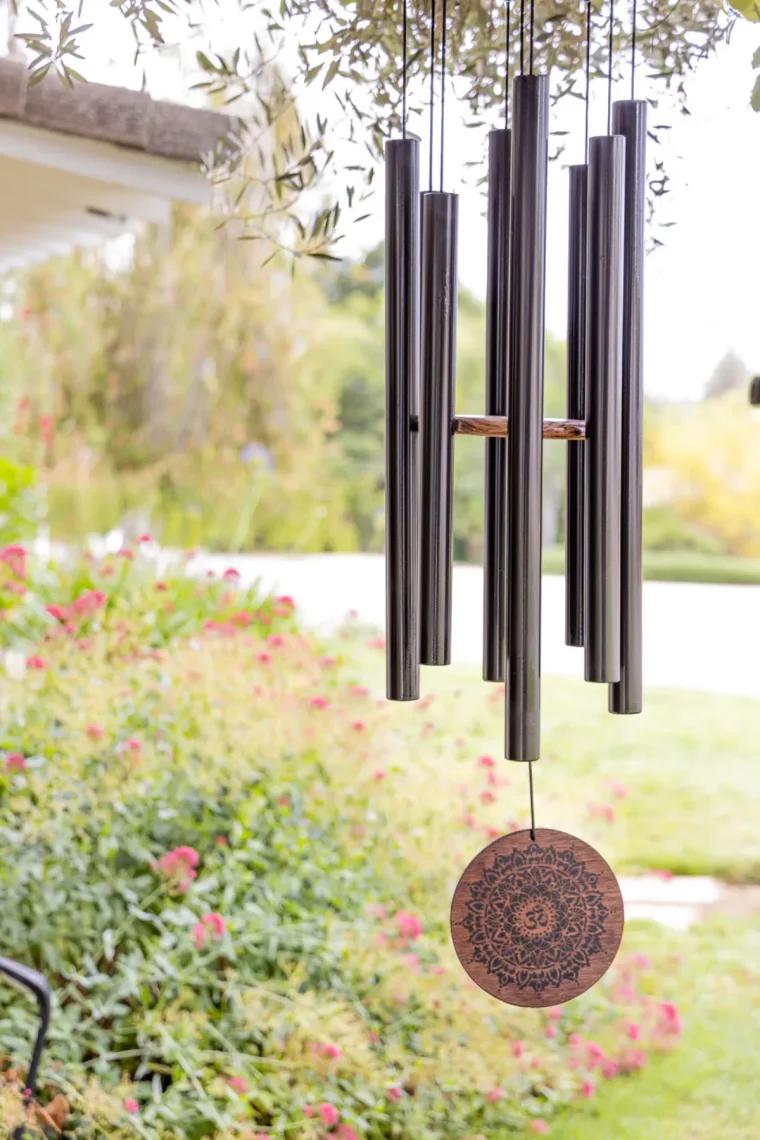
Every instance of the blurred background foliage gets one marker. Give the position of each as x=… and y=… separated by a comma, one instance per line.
x=170, y=383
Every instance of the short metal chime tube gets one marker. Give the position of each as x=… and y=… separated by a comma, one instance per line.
x=497, y=346
x=402, y=244
x=576, y=403
x=530, y=137
x=601, y=635
x=629, y=119
x=438, y=353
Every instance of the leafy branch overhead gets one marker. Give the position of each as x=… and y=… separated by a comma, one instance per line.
x=342, y=82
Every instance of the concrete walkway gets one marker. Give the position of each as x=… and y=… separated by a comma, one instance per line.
x=696, y=636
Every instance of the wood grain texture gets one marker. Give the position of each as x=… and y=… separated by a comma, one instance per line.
x=537, y=922
x=497, y=427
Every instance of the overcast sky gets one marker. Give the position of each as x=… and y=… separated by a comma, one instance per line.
x=702, y=288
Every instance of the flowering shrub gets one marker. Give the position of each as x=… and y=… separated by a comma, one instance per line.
x=246, y=930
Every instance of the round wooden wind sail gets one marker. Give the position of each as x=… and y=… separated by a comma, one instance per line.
x=537, y=922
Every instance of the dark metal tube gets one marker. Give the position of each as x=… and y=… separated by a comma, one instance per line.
x=402, y=240
x=629, y=119
x=438, y=357
x=576, y=403
x=530, y=139
x=604, y=347
x=497, y=346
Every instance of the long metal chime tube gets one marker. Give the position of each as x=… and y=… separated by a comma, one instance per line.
x=497, y=345
x=576, y=403
x=402, y=241
x=530, y=138
x=438, y=352
x=629, y=119
x=603, y=417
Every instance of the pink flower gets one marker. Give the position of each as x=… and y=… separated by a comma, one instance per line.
x=609, y=1070
x=487, y=797
x=540, y=1126
x=486, y=762
x=359, y=691
x=286, y=601
x=670, y=1021
x=319, y=702
x=133, y=745
x=15, y=762
x=588, y=1088
x=409, y=925
x=238, y=1085
x=231, y=575
x=619, y=791
x=358, y=726
x=308, y=1110
x=554, y=1013
x=551, y=1031
x=412, y=962
x=264, y=658
x=131, y=1105
x=276, y=640
x=378, y=774
x=15, y=559
x=58, y=612
x=95, y=731
x=145, y=538
x=494, y=1095
x=35, y=662
x=394, y=1094
x=331, y=1050
x=328, y=662
x=641, y=961
x=518, y=1048
x=129, y=555
x=635, y=1059
x=633, y=1030
x=328, y=1113
x=575, y=1040
x=211, y=922
x=179, y=866
x=376, y=910
x=346, y=1133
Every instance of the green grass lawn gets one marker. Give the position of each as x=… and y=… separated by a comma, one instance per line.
x=706, y=1089
x=683, y=778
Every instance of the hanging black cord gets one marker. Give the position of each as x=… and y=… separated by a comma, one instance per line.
x=532, y=29
x=432, y=88
x=403, y=72
x=532, y=805
x=522, y=37
x=506, y=70
x=633, y=54
x=588, y=72
x=609, y=72
x=443, y=84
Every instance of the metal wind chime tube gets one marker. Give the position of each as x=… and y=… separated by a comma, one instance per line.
x=497, y=347
x=576, y=404
x=530, y=139
x=438, y=352
x=629, y=119
x=603, y=401
x=402, y=163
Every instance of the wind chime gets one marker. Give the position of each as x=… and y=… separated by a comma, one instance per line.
x=537, y=917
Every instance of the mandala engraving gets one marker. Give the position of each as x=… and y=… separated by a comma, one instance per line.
x=535, y=918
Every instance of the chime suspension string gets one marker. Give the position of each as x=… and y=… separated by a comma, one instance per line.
x=403, y=70
x=506, y=70
x=522, y=37
x=633, y=53
x=588, y=75
x=532, y=32
x=432, y=89
x=609, y=67
x=532, y=805
x=443, y=84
